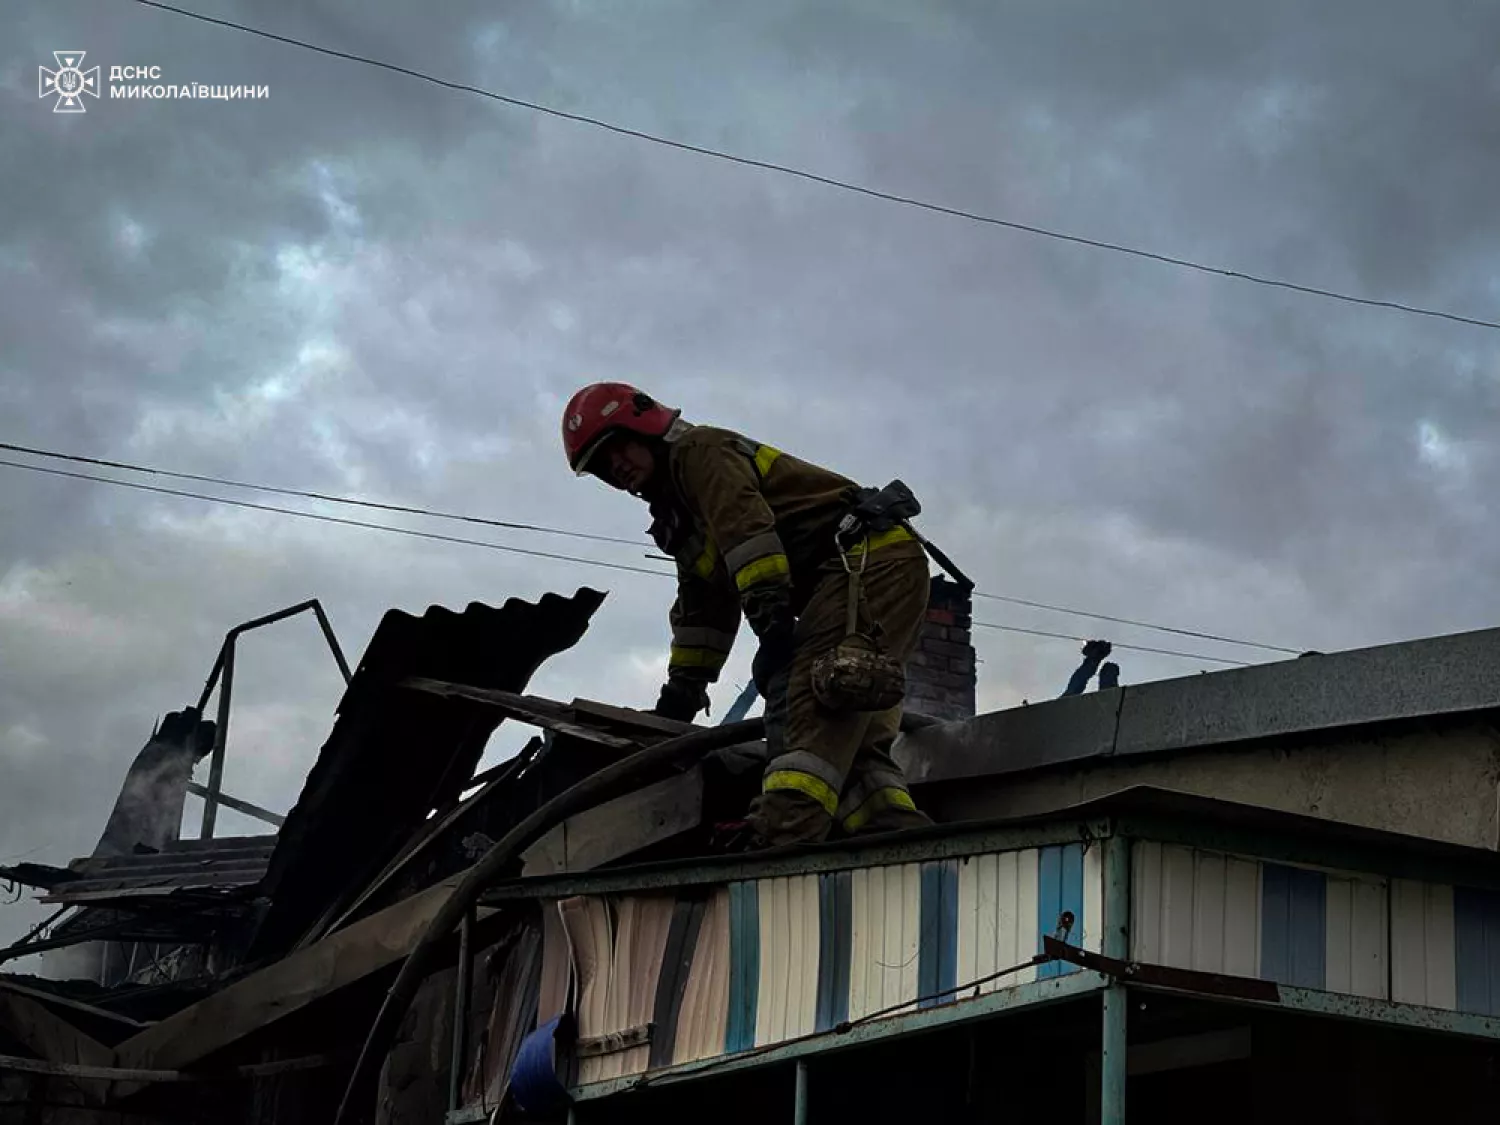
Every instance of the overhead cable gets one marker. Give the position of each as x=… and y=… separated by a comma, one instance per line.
x=544, y=529
x=434, y=536
x=842, y=185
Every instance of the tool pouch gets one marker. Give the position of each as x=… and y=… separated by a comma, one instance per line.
x=857, y=675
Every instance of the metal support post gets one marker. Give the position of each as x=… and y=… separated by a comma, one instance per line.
x=221, y=733
x=799, y=1111
x=1112, y=1074
x=461, y=1012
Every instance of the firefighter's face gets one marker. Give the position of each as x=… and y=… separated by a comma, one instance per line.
x=629, y=464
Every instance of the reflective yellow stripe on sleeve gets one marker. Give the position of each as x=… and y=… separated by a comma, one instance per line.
x=765, y=569
x=815, y=787
x=764, y=456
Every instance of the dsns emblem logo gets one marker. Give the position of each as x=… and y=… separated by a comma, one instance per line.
x=68, y=83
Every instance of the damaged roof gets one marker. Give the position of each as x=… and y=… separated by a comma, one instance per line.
x=395, y=754
x=220, y=865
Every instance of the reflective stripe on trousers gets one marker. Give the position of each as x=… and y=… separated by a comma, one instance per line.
x=806, y=773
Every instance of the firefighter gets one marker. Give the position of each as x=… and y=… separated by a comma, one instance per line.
x=754, y=535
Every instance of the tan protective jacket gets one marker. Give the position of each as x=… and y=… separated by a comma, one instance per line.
x=759, y=517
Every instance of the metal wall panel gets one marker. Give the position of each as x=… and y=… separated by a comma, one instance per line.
x=744, y=966
x=885, y=937
x=789, y=951
x=641, y=927
x=1059, y=891
x=1195, y=910
x=1293, y=925
x=1422, y=944
x=590, y=928
x=937, y=959
x=1093, y=896
x=835, y=907
x=703, y=1018
x=1476, y=924
x=995, y=894
x=1358, y=953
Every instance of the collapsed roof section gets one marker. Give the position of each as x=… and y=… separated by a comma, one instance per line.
x=395, y=755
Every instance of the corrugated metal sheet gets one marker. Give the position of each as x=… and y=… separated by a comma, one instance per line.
x=937, y=959
x=642, y=923
x=1347, y=932
x=1195, y=910
x=1423, y=947
x=704, y=1012
x=835, y=936
x=759, y=962
x=786, y=1003
x=1476, y=925
x=884, y=938
x=221, y=865
x=1059, y=892
x=1293, y=925
x=744, y=966
x=395, y=755
x=997, y=903
x=1358, y=938
x=589, y=923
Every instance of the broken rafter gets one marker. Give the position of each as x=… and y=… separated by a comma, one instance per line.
x=41, y=876
x=238, y=805
x=434, y=830
x=55, y=999
x=131, y=1074
x=544, y=713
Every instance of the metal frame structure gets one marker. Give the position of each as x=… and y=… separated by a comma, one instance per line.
x=1110, y=973
x=212, y=793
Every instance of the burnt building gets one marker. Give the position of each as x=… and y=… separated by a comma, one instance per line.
x=1260, y=895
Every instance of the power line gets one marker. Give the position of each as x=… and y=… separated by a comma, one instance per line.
x=436, y=537
x=333, y=519
x=331, y=499
x=1138, y=624
x=543, y=529
x=842, y=185
x=1133, y=648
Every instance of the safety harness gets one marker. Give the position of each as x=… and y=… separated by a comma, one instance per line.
x=858, y=674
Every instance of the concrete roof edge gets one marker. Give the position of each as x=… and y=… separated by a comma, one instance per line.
x=1426, y=678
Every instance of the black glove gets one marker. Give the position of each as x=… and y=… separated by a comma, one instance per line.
x=681, y=699
x=1097, y=650
x=769, y=612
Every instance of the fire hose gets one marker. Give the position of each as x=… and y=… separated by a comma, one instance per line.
x=597, y=787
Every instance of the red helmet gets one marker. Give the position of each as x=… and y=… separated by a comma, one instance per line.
x=601, y=409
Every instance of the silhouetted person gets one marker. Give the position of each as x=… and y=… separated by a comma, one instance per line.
x=1093, y=653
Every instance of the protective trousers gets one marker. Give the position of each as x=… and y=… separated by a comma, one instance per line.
x=827, y=768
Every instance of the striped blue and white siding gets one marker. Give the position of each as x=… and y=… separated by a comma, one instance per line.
x=1361, y=935
x=764, y=961
x=720, y=970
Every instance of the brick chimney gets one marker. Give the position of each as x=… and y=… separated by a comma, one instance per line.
x=940, y=678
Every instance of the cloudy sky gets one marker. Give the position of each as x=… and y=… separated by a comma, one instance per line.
x=374, y=286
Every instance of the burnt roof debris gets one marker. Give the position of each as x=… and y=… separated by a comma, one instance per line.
x=396, y=754
x=224, y=864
